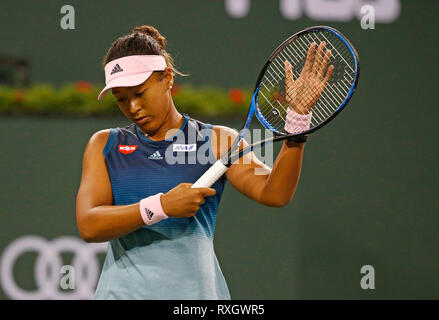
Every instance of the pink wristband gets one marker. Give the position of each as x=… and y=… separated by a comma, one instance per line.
x=295, y=122
x=151, y=209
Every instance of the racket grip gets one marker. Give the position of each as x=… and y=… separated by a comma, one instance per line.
x=211, y=175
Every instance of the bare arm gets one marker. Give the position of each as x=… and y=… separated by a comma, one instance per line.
x=99, y=220
x=281, y=184
x=277, y=186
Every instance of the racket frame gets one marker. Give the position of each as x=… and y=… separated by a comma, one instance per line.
x=222, y=165
x=231, y=156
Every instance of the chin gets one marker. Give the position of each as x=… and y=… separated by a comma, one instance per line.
x=148, y=128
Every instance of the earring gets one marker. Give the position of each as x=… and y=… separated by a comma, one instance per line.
x=170, y=87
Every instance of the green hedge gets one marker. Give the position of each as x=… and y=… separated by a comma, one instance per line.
x=81, y=99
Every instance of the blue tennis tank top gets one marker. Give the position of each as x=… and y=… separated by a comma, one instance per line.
x=174, y=258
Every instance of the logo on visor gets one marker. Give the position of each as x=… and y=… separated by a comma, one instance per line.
x=116, y=69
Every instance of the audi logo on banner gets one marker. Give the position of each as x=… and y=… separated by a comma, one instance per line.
x=85, y=263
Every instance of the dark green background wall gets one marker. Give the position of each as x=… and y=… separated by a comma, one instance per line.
x=368, y=190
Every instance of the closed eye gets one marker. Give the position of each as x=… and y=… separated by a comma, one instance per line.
x=139, y=94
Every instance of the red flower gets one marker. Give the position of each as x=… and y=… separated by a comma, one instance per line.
x=236, y=95
x=83, y=86
x=19, y=95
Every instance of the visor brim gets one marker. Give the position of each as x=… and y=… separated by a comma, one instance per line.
x=126, y=81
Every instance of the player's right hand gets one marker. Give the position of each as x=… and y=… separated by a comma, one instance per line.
x=184, y=201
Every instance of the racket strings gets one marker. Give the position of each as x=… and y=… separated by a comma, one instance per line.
x=301, y=90
x=320, y=114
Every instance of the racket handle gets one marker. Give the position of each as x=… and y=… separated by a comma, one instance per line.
x=211, y=176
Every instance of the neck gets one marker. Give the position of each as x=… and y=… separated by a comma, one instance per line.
x=171, y=124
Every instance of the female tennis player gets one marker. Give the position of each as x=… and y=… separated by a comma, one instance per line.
x=160, y=230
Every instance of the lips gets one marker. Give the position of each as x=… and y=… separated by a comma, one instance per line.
x=142, y=120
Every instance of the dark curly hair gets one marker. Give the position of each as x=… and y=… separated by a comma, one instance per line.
x=143, y=40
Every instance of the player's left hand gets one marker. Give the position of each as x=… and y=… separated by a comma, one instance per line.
x=302, y=94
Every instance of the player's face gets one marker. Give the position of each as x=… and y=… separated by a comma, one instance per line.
x=151, y=99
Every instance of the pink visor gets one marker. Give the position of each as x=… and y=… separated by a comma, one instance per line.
x=131, y=71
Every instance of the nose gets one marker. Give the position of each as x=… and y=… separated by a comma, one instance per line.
x=134, y=106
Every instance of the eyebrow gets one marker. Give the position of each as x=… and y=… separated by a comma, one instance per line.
x=117, y=91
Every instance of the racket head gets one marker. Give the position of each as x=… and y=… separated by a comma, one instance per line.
x=269, y=98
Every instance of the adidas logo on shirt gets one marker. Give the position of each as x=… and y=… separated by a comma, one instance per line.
x=155, y=156
x=116, y=69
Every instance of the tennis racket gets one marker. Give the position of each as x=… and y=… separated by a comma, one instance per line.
x=310, y=77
